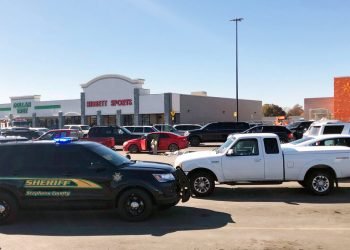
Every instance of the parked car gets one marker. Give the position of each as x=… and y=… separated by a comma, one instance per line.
x=215, y=132
x=321, y=140
x=120, y=134
x=284, y=134
x=23, y=132
x=166, y=142
x=259, y=158
x=60, y=133
x=141, y=129
x=84, y=175
x=167, y=128
x=299, y=128
x=83, y=129
x=328, y=127
x=186, y=127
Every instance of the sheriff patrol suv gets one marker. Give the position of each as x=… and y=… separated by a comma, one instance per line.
x=65, y=174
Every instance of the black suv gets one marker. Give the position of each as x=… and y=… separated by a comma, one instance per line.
x=299, y=128
x=284, y=134
x=120, y=134
x=84, y=175
x=215, y=132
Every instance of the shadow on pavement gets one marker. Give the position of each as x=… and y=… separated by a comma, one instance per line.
x=86, y=223
x=292, y=195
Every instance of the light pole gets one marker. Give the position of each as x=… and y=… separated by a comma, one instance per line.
x=236, y=20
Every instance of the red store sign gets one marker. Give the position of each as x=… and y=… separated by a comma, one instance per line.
x=104, y=103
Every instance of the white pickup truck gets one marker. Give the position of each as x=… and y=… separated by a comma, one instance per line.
x=259, y=159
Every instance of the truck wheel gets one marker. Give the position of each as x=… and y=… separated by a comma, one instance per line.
x=133, y=148
x=202, y=184
x=135, y=205
x=195, y=141
x=173, y=147
x=320, y=182
x=8, y=208
x=302, y=183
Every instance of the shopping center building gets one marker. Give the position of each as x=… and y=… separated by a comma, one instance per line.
x=119, y=100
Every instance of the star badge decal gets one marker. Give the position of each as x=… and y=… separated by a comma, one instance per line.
x=117, y=177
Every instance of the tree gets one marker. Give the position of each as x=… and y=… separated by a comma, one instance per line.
x=272, y=110
x=297, y=110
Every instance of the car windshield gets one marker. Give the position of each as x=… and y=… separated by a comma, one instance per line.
x=226, y=145
x=85, y=127
x=108, y=154
x=301, y=140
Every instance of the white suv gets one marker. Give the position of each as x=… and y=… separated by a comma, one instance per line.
x=328, y=127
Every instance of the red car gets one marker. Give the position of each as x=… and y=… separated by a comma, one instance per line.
x=166, y=142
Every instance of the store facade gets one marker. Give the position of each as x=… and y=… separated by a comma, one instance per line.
x=119, y=100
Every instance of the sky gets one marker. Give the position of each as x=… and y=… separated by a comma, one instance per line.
x=287, y=49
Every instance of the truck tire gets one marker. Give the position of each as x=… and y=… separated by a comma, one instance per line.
x=202, y=184
x=133, y=148
x=195, y=141
x=320, y=182
x=302, y=183
x=8, y=208
x=135, y=205
x=173, y=147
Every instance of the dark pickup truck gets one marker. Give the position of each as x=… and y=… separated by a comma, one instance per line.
x=120, y=134
x=215, y=132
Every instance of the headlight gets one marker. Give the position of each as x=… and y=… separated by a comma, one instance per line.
x=164, y=177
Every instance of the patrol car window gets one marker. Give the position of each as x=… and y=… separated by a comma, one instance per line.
x=108, y=154
x=6, y=155
x=34, y=161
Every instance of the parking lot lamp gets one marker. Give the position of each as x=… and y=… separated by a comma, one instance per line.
x=237, y=20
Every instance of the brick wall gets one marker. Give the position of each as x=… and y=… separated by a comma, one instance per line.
x=342, y=98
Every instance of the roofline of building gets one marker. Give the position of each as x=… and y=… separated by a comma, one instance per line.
x=116, y=76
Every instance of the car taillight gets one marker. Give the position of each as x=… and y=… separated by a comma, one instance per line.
x=290, y=136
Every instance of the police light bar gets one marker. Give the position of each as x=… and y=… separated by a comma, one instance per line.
x=63, y=140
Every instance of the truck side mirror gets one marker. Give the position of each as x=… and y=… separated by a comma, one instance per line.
x=230, y=152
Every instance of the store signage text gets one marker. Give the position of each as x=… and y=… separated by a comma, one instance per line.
x=22, y=107
x=104, y=103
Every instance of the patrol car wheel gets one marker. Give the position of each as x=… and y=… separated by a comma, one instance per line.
x=133, y=148
x=135, y=205
x=8, y=208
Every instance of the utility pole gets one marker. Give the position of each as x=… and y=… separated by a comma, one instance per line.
x=236, y=20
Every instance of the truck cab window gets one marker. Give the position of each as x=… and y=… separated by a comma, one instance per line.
x=271, y=146
x=247, y=147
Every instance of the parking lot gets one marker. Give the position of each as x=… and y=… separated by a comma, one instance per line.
x=239, y=217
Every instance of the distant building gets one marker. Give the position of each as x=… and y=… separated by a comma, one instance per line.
x=117, y=99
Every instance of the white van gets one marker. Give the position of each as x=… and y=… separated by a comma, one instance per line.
x=328, y=127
